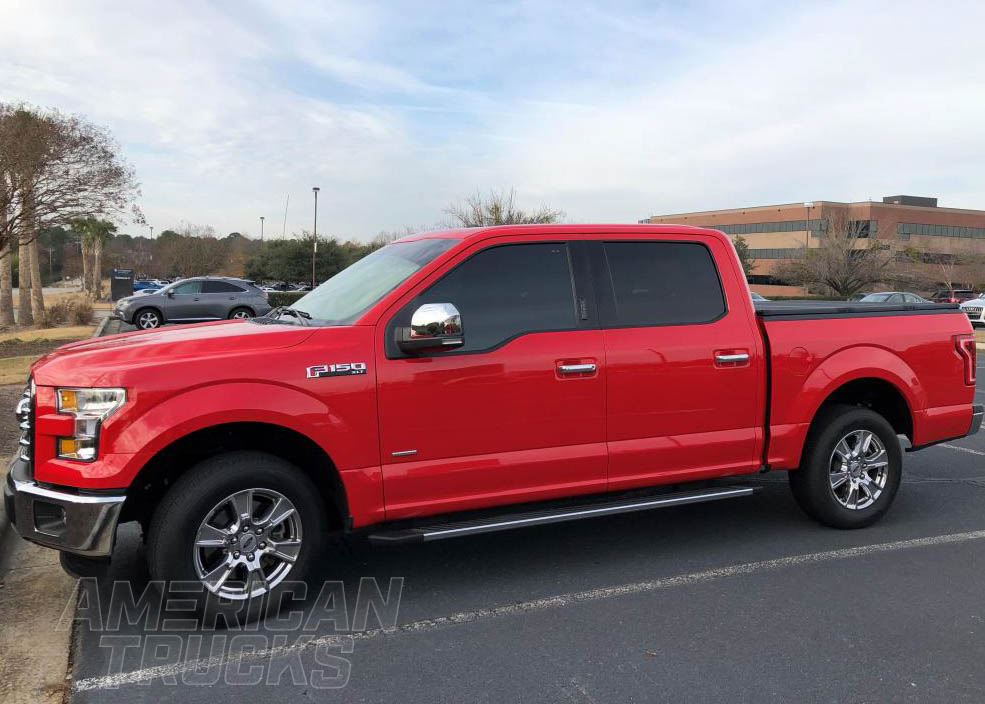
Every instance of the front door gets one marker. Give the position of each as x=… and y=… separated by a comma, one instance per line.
x=686, y=381
x=515, y=414
x=185, y=304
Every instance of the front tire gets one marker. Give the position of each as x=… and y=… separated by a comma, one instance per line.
x=147, y=319
x=246, y=526
x=851, y=468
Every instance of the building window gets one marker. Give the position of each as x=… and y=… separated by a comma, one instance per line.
x=905, y=229
x=776, y=253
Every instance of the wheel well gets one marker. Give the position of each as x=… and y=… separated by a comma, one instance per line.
x=236, y=308
x=880, y=396
x=143, y=308
x=169, y=464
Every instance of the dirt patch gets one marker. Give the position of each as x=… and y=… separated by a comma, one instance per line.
x=22, y=348
x=9, y=433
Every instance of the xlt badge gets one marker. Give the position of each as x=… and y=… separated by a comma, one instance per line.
x=347, y=369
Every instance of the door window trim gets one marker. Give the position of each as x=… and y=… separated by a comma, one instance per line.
x=604, y=283
x=576, y=252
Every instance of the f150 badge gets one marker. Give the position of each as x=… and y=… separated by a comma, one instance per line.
x=348, y=369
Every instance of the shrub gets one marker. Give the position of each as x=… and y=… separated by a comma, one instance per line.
x=283, y=298
x=59, y=311
x=82, y=311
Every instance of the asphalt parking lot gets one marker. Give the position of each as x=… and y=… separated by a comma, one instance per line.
x=741, y=600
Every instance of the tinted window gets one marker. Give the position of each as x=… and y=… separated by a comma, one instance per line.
x=220, y=287
x=662, y=283
x=188, y=287
x=505, y=291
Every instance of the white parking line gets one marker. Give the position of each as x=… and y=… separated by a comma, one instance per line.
x=962, y=449
x=526, y=607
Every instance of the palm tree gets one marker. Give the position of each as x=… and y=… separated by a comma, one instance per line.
x=95, y=234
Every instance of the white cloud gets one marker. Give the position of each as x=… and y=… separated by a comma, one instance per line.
x=612, y=111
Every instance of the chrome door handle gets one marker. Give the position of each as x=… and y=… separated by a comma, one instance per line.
x=726, y=358
x=576, y=368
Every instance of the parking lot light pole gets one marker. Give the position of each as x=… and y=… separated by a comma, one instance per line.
x=314, y=246
x=261, y=230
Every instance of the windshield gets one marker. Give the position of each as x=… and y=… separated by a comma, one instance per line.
x=876, y=298
x=354, y=290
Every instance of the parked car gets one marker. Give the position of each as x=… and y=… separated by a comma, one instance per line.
x=893, y=297
x=957, y=295
x=148, y=289
x=974, y=308
x=193, y=300
x=437, y=383
x=144, y=284
x=756, y=297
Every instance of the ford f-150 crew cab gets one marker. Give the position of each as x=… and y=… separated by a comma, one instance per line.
x=465, y=381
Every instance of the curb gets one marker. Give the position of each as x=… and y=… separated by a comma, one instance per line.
x=101, y=328
x=4, y=520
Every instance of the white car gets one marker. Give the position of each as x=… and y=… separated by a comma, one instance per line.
x=975, y=309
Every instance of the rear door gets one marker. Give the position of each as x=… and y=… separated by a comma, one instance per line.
x=685, y=371
x=219, y=298
x=517, y=413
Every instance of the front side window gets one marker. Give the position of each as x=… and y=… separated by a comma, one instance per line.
x=354, y=290
x=662, y=283
x=187, y=287
x=505, y=291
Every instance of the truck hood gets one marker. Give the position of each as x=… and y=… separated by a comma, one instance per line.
x=84, y=363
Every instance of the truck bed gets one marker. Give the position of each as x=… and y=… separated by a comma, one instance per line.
x=845, y=309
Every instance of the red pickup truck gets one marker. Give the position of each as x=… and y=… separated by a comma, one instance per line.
x=466, y=381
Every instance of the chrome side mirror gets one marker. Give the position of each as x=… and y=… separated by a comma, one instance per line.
x=433, y=326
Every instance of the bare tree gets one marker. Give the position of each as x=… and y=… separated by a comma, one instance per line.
x=498, y=209
x=847, y=259
x=55, y=168
x=24, y=314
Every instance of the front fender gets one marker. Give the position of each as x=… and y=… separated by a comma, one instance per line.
x=129, y=440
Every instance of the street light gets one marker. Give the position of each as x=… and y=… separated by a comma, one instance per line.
x=151, y=231
x=261, y=229
x=314, y=247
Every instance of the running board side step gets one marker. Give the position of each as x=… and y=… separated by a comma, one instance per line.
x=442, y=531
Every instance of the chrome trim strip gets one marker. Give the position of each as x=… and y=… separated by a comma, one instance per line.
x=584, y=513
x=403, y=453
x=33, y=489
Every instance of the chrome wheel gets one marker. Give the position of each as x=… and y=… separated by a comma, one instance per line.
x=247, y=544
x=148, y=320
x=241, y=315
x=858, y=469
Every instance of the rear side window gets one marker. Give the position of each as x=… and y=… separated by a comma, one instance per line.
x=506, y=291
x=662, y=283
x=220, y=287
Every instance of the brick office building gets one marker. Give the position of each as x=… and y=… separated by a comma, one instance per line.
x=778, y=232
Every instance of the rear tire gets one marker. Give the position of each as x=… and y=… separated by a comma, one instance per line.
x=851, y=468
x=241, y=314
x=220, y=527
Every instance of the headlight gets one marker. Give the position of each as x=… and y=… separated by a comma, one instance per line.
x=90, y=407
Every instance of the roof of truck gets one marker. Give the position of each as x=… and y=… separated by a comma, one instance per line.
x=477, y=233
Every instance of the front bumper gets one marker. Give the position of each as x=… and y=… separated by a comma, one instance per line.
x=83, y=524
x=976, y=314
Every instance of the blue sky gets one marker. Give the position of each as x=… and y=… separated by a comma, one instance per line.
x=610, y=111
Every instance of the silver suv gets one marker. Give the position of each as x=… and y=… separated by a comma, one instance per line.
x=193, y=300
